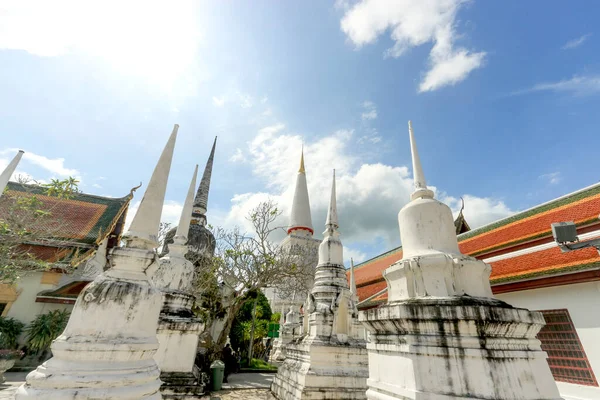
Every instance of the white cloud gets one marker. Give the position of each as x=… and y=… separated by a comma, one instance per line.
x=552, y=178
x=414, y=23
x=357, y=255
x=164, y=37
x=369, y=195
x=170, y=213
x=370, y=111
x=238, y=156
x=479, y=211
x=572, y=44
x=246, y=101
x=95, y=185
x=578, y=85
x=218, y=101
x=55, y=166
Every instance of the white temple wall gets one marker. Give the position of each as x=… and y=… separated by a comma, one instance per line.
x=582, y=300
x=25, y=308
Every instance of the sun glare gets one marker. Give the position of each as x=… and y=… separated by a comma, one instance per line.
x=156, y=40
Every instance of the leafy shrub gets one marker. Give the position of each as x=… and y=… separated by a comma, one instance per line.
x=45, y=328
x=10, y=329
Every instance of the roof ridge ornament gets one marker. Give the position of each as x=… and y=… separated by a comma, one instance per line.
x=143, y=231
x=421, y=190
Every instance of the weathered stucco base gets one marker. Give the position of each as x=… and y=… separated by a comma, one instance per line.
x=456, y=348
x=317, y=369
x=178, y=332
x=107, y=348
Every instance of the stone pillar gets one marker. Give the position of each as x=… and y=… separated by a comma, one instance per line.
x=178, y=329
x=330, y=362
x=442, y=335
x=107, y=348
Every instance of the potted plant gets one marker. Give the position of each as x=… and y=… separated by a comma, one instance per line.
x=7, y=360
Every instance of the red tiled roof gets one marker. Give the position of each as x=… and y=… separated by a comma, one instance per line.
x=81, y=221
x=542, y=263
x=580, y=207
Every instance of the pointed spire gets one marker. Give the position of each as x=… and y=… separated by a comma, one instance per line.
x=9, y=170
x=300, y=219
x=421, y=189
x=186, y=214
x=332, y=218
x=143, y=231
x=201, y=200
x=352, y=279
x=301, y=170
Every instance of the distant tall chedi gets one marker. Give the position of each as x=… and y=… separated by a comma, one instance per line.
x=201, y=242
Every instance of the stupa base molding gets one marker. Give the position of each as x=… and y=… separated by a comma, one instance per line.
x=319, y=369
x=181, y=386
x=456, y=348
x=62, y=380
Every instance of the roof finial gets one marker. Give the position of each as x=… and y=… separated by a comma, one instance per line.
x=302, y=161
x=186, y=213
x=421, y=189
x=332, y=218
x=143, y=231
x=201, y=200
x=9, y=170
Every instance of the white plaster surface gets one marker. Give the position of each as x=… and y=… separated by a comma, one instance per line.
x=25, y=308
x=582, y=301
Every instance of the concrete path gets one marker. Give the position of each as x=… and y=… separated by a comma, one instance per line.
x=244, y=386
x=13, y=381
x=249, y=380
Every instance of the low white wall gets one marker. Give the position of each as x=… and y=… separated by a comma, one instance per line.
x=25, y=309
x=582, y=300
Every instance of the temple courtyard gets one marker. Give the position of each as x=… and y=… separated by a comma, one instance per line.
x=246, y=386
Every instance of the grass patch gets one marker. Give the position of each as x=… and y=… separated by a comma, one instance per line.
x=260, y=364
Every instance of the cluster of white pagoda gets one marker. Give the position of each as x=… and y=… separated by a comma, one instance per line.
x=441, y=335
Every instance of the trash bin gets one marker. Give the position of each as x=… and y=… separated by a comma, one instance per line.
x=217, y=369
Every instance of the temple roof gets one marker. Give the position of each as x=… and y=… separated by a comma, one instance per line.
x=518, y=248
x=81, y=221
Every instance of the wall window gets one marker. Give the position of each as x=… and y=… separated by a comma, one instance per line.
x=566, y=357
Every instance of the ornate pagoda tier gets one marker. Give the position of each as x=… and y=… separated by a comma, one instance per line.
x=441, y=335
x=330, y=362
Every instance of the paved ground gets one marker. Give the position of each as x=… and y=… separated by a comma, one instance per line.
x=250, y=380
x=243, y=394
x=13, y=381
x=245, y=386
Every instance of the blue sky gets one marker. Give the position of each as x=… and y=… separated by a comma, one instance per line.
x=503, y=97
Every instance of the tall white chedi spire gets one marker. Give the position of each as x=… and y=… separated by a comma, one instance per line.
x=178, y=328
x=9, y=170
x=331, y=249
x=419, y=235
x=470, y=345
x=145, y=224
x=300, y=219
x=106, y=351
x=331, y=360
